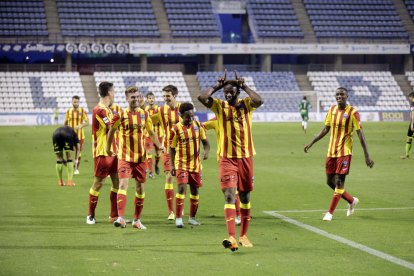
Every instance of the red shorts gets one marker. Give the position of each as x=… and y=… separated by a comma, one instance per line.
x=105, y=165
x=149, y=144
x=131, y=169
x=338, y=165
x=191, y=178
x=236, y=173
x=166, y=162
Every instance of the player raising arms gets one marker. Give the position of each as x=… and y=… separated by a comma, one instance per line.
x=132, y=124
x=185, y=159
x=77, y=118
x=234, y=118
x=152, y=108
x=344, y=120
x=168, y=116
x=104, y=164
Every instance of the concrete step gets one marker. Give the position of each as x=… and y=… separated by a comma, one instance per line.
x=404, y=84
x=194, y=89
x=304, y=20
x=405, y=17
x=52, y=19
x=162, y=19
x=90, y=90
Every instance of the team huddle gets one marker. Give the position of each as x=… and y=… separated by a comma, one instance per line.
x=125, y=140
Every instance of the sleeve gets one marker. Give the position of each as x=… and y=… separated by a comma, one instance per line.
x=216, y=105
x=156, y=117
x=102, y=116
x=116, y=121
x=173, y=137
x=208, y=125
x=356, y=122
x=203, y=135
x=248, y=104
x=67, y=115
x=148, y=122
x=328, y=117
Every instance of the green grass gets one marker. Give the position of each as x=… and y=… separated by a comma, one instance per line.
x=43, y=228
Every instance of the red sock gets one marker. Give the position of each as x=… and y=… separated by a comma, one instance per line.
x=139, y=205
x=237, y=203
x=179, y=205
x=335, y=200
x=229, y=215
x=114, y=207
x=149, y=164
x=121, y=203
x=348, y=197
x=169, y=196
x=193, y=205
x=93, y=201
x=245, y=220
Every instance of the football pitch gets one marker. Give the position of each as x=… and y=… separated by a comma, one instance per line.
x=43, y=229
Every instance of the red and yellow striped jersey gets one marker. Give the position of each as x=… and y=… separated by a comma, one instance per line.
x=115, y=109
x=235, y=128
x=132, y=125
x=186, y=141
x=75, y=117
x=343, y=122
x=213, y=124
x=157, y=127
x=101, y=119
x=167, y=117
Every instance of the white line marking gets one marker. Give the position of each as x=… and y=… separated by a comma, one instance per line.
x=359, y=209
x=350, y=243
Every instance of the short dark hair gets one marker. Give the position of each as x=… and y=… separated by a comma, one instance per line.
x=104, y=88
x=131, y=89
x=171, y=88
x=342, y=88
x=411, y=95
x=76, y=97
x=149, y=94
x=185, y=107
x=304, y=97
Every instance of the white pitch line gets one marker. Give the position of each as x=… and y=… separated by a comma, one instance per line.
x=350, y=243
x=359, y=209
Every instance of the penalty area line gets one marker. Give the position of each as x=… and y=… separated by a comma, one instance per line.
x=359, y=209
x=342, y=240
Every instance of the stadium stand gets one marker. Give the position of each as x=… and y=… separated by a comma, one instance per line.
x=356, y=19
x=23, y=18
x=410, y=77
x=32, y=92
x=410, y=7
x=112, y=18
x=279, y=90
x=273, y=19
x=368, y=91
x=147, y=82
x=192, y=18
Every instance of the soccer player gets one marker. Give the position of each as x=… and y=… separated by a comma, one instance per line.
x=104, y=164
x=152, y=108
x=132, y=123
x=168, y=116
x=343, y=119
x=410, y=131
x=77, y=118
x=65, y=139
x=304, y=107
x=213, y=125
x=234, y=118
x=185, y=159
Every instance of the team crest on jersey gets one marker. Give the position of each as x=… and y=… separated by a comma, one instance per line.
x=142, y=116
x=346, y=116
x=196, y=128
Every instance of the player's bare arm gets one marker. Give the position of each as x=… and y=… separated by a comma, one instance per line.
x=172, y=156
x=257, y=100
x=156, y=142
x=109, y=140
x=206, y=147
x=205, y=97
x=318, y=137
x=368, y=160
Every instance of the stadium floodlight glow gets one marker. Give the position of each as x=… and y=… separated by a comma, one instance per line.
x=27, y=57
x=52, y=60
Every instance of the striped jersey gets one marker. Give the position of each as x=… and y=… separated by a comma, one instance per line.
x=213, y=124
x=343, y=122
x=132, y=125
x=157, y=127
x=101, y=119
x=235, y=128
x=186, y=142
x=167, y=117
x=75, y=117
